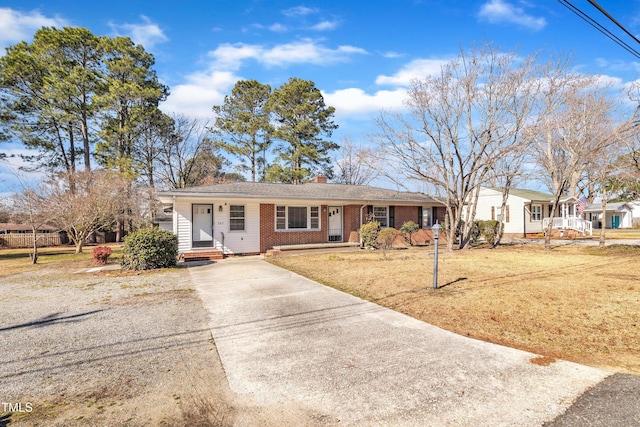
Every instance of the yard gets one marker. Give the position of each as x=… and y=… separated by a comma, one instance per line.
x=576, y=303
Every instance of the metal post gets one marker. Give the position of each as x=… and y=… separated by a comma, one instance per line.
x=436, y=234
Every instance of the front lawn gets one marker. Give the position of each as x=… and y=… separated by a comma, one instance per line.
x=575, y=303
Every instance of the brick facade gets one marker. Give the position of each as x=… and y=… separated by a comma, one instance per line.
x=269, y=237
x=351, y=220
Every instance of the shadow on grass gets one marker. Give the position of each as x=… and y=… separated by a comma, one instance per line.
x=5, y=420
x=459, y=279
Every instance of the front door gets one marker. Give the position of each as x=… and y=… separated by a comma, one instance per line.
x=335, y=223
x=202, y=233
x=615, y=221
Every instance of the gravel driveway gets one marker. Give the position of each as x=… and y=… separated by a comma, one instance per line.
x=99, y=349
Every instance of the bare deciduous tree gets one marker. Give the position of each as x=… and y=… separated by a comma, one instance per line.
x=97, y=201
x=31, y=204
x=353, y=164
x=188, y=154
x=458, y=125
x=573, y=130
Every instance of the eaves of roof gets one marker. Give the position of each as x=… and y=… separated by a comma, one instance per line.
x=307, y=191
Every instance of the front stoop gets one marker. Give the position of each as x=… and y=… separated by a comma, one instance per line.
x=206, y=255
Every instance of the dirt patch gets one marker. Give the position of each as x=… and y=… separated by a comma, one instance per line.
x=542, y=360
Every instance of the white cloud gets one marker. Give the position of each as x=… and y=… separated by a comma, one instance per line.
x=232, y=56
x=391, y=54
x=18, y=26
x=416, y=69
x=299, y=11
x=146, y=33
x=200, y=93
x=278, y=28
x=499, y=11
x=357, y=101
x=325, y=26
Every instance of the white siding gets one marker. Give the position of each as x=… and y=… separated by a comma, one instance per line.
x=519, y=216
x=247, y=241
x=235, y=242
x=182, y=224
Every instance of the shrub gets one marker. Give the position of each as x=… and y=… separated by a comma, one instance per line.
x=150, y=248
x=101, y=254
x=488, y=229
x=386, y=236
x=407, y=229
x=369, y=234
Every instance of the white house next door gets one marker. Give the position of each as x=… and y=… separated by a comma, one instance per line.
x=335, y=223
x=202, y=232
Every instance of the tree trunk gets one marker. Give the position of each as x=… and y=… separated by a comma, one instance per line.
x=34, y=255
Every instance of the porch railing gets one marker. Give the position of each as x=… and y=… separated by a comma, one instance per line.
x=571, y=223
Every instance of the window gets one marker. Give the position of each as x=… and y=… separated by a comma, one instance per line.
x=380, y=215
x=426, y=217
x=536, y=212
x=315, y=217
x=281, y=218
x=236, y=218
x=297, y=217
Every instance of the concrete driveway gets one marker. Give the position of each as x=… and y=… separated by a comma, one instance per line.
x=287, y=341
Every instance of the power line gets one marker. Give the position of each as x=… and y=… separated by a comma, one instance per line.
x=595, y=24
x=605, y=13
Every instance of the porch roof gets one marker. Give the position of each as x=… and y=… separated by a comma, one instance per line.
x=306, y=191
x=611, y=207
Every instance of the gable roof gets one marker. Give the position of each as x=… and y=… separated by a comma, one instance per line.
x=306, y=191
x=615, y=206
x=526, y=194
x=531, y=195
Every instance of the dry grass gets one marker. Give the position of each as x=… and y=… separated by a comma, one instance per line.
x=574, y=303
x=16, y=261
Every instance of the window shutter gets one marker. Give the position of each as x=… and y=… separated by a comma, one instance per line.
x=392, y=217
x=493, y=213
x=420, y=223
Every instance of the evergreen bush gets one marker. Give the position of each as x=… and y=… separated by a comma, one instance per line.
x=150, y=248
x=488, y=229
x=369, y=234
x=386, y=236
x=407, y=230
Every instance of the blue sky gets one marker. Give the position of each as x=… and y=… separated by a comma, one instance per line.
x=360, y=54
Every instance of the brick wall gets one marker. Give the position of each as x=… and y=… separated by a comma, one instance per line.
x=269, y=237
x=404, y=214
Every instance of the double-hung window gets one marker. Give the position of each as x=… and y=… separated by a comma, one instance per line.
x=380, y=214
x=297, y=217
x=236, y=218
x=536, y=212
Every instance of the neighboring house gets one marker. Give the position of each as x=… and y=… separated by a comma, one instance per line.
x=528, y=212
x=249, y=217
x=618, y=215
x=10, y=228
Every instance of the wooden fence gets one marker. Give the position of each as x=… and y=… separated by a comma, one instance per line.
x=25, y=240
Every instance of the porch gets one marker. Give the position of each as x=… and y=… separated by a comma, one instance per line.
x=569, y=223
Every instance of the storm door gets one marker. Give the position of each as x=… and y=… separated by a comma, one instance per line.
x=335, y=223
x=202, y=233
